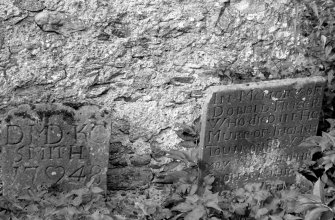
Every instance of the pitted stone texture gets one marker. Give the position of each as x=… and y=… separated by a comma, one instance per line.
x=51, y=144
x=251, y=132
x=150, y=61
x=58, y=22
x=30, y=5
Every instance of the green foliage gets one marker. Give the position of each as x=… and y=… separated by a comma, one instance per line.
x=323, y=158
x=257, y=201
x=316, y=21
x=186, y=204
x=84, y=203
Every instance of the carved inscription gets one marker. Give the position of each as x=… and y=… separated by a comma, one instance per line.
x=251, y=132
x=44, y=145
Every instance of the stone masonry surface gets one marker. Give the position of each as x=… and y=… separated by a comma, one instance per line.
x=148, y=61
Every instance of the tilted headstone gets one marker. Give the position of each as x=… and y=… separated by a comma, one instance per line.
x=47, y=145
x=251, y=132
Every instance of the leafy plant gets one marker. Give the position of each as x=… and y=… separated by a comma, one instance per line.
x=316, y=205
x=317, y=26
x=323, y=158
x=187, y=204
x=191, y=199
x=84, y=203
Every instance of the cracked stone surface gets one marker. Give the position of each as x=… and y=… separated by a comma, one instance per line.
x=150, y=62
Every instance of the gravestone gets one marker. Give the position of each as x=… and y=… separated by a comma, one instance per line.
x=46, y=145
x=251, y=132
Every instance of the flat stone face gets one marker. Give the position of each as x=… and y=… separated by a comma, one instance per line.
x=54, y=145
x=251, y=132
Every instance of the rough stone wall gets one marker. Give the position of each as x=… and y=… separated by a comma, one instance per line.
x=149, y=61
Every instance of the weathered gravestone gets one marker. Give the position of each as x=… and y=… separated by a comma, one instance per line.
x=47, y=145
x=251, y=132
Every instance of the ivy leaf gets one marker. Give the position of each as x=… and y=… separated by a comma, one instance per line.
x=214, y=205
x=194, y=188
x=209, y=196
x=328, y=166
x=332, y=58
x=260, y=212
x=309, y=198
x=49, y=211
x=291, y=217
x=96, y=189
x=311, y=141
x=291, y=206
x=307, y=202
x=183, y=207
x=240, y=192
x=13, y=218
x=77, y=201
x=261, y=195
x=289, y=195
x=240, y=208
x=328, y=50
x=196, y=213
x=182, y=188
x=304, y=207
x=318, y=190
x=78, y=192
x=315, y=141
x=330, y=77
x=329, y=215
x=323, y=38
x=194, y=155
x=308, y=174
x=328, y=153
x=192, y=199
x=209, y=179
x=315, y=213
x=331, y=138
x=191, y=155
x=327, y=180
x=31, y=208
x=97, y=216
x=177, y=216
x=276, y=217
x=273, y=204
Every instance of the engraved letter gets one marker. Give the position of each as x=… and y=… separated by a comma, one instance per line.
x=74, y=151
x=14, y=134
x=54, y=134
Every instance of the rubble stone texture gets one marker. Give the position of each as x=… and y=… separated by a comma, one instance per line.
x=149, y=61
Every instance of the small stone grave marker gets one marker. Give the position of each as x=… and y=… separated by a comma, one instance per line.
x=251, y=132
x=47, y=145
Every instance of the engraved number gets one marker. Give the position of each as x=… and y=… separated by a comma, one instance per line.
x=96, y=172
x=33, y=170
x=78, y=173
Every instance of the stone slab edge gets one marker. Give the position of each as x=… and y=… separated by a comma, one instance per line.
x=296, y=82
